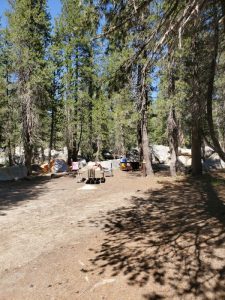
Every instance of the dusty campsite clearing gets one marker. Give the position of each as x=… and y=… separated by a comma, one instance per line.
x=129, y=238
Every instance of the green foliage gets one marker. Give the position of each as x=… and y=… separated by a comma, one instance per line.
x=72, y=89
x=9, y=115
x=124, y=119
x=29, y=28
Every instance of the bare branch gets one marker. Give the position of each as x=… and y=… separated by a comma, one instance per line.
x=135, y=12
x=189, y=11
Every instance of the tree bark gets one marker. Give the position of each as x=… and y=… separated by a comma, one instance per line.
x=28, y=127
x=172, y=126
x=42, y=155
x=145, y=146
x=196, y=148
x=72, y=111
x=10, y=119
x=53, y=119
x=51, y=132
x=75, y=148
x=196, y=110
x=97, y=156
x=172, y=129
x=90, y=104
x=10, y=153
x=139, y=140
x=143, y=121
x=209, y=95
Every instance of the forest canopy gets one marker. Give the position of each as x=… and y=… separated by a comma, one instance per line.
x=113, y=75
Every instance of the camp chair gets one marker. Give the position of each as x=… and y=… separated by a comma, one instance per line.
x=108, y=171
x=77, y=171
x=75, y=167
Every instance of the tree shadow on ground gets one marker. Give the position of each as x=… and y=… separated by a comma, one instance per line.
x=173, y=238
x=13, y=193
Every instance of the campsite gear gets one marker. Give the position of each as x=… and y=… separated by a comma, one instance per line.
x=93, y=179
x=91, y=176
x=82, y=163
x=123, y=166
x=75, y=166
x=91, y=173
x=123, y=159
x=108, y=171
x=59, y=166
x=55, y=166
x=123, y=163
x=36, y=169
x=76, y=171
x=58, y=175
x=13, y=173
x=134, y=165
x=45, y=168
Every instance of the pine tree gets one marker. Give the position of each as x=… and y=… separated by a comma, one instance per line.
x=77, y=25
x=29, y=34
x=96, y=94
x=9, y=124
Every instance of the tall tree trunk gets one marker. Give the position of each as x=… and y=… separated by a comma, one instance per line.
x=10, y=153
x=139, y=123
x=75, y=148
x=139, y=140
x=53, y=119
x=196, y=148
x=196, y=128
x=145, y=139
x=72, y=111
x=123, y=143
x=172, y=126
x=28, y=128
x=10, y=119
x=69, y=131
x=196, y=111
x=42, y=154
x=145, y=146
x=143, y=108
x=172, y=129
x=51, y=132
x=90, y=104
x=209, y=95
x=97, y=157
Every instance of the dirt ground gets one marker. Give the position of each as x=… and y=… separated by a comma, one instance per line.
x=130, y=238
